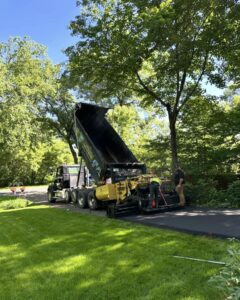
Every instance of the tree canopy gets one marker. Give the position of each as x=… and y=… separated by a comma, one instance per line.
x=159, y=52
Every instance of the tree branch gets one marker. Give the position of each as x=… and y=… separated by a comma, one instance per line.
x=189, y=95
x=179, y=92
x=149, y=91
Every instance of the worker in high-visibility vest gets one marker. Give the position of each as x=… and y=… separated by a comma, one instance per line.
x=155, y=183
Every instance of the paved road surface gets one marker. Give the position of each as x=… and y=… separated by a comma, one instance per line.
x=216, y=222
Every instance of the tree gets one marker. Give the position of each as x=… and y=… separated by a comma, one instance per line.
x=209, y=141
x=27, y=77
x=56, y=152
x=56, y=113
x=159, y=51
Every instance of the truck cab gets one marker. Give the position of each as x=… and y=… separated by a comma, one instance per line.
x=66, y=180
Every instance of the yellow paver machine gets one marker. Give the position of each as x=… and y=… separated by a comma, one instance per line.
x=114, y=178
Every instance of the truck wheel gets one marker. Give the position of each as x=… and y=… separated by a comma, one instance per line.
x=74, y=195
x=67, y=196
x=92, y=201
x=50, y=197
x=82, y=200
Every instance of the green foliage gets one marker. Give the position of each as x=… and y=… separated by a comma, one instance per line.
x=26, y=79
x=56, y=153
x=56, y=114
x=208, y=137
x=228, y=280
x=120, y=39
x=205, y=193
x=35, y=165
x=34, y=109
x=13, y=203
x=202, y=193
x=233, y=194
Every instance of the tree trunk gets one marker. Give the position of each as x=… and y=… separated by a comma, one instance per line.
x=33, y=178
x=173, y=138
x=42, y=180
x=74, y=154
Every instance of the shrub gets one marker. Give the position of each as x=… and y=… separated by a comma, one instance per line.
x=228, y=280
x=202, y=192
x=205, y=193
x=233, y=194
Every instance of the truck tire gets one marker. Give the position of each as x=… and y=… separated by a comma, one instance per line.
x=50, y=197
x=82, y=200
x=92, y=201
x=67, y=196
x=74, y=195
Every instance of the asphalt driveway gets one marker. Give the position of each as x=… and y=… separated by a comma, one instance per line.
x=212, y=222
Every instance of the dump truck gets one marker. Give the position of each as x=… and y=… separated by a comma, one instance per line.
x=119, y=181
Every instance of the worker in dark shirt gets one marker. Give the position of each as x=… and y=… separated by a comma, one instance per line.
x=179, y=180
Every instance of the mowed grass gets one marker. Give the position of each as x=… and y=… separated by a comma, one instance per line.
x=48, y=253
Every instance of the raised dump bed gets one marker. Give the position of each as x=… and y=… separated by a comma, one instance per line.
x=101, y=147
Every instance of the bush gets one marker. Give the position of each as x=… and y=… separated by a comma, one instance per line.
x=14, y=203
x=203, y=193
x=233, y=194
x=228, y=279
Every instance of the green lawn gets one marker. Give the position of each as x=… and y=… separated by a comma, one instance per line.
x=48, y=253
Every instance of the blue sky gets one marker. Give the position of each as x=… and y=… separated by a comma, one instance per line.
x=45, y=21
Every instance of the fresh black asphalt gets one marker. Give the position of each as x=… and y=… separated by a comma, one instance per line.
x=212, y=222
x=205, y=221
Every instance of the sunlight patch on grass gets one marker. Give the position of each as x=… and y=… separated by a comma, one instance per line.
x=122, y=232
x=115, y=247
x=86, y=284
x=9, y=248
x=141, y=268
x=14, y=250
x=70, y=264
x=50, y=241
